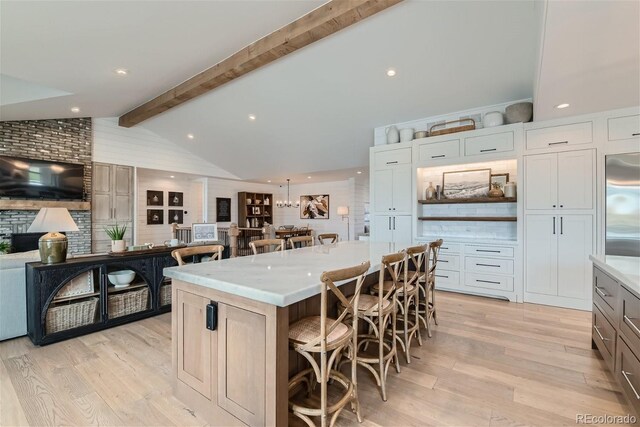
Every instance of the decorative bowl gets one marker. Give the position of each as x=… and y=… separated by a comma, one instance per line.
x=121, y=278
x=519, y=112
x=492, y=119
x=420, y=134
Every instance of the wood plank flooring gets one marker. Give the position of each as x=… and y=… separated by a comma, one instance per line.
x=489, y=363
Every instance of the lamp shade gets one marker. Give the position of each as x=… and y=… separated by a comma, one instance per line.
x=343, y=210
x=53, y=219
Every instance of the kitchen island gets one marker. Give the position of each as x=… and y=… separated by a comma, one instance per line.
x=230, y=327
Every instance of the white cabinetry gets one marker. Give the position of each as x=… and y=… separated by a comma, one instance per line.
x=391, y=228
x=625, y=127
x=559, y=136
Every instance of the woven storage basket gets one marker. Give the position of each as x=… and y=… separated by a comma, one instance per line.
x=126, y=303
x=165, y=295
x=70, y=316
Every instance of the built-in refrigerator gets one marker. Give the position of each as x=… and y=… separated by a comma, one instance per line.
x=623, y=204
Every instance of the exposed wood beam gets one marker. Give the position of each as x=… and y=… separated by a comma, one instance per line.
x=317, y=24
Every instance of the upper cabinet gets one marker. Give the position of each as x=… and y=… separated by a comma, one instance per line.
x=486, y=144
x=559, y=136
x=625, y=127
x=391, y=181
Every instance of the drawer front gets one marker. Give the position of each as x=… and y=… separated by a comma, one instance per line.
x=604, y=335
x=574, y=134
x=447, y=279
x=454, y=248
x=629, y=322
x=488, y=265
x=389, y=158
x=489, y=281
x=504, y=251
x=605, y=293
x=624, y=127
x=448, y=262
x=439, y=150
x=488, y=144
x=628, y=373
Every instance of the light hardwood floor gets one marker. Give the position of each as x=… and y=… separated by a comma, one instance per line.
x=489, y=363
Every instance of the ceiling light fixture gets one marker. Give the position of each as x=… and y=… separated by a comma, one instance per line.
x=190, y=136
x=308, y=177
x=561, y=106
x=252, y=117
x=391, y=72
x=287, y=203
x=269, y=181
x=75, y=109
x=171, y=176
x=359, y=172
x=121, y=71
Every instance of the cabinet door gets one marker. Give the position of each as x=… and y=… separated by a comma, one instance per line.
x=624, y=127
x=383, y=190
x=241, y=361
x=194, y=361
x=401, y=193
x=541, y=181
x=123, y=193
x=541, y=254
x=575, y=244
x=575, y=179
x=401, y=225
x=381, y=230
x=101, y=199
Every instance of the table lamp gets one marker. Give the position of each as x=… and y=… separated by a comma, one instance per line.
x=344, y=212
x=53, y=245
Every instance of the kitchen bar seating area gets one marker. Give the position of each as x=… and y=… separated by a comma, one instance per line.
x=319, y=213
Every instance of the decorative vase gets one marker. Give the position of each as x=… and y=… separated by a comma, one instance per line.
x=438, y=192
x=510, y=189
x=406, y=134
x=393, y=136
x=118, y=246
x=430, y=193
x=496, y=191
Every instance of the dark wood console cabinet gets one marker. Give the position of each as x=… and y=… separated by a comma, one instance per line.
x=52, y=317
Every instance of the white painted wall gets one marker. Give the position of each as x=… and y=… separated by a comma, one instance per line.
x=230, y=189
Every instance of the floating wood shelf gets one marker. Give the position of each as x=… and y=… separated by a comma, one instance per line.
x=35, y=205
x=469, y=218
x=473, y=200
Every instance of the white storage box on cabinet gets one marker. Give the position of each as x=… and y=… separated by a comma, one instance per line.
x=625, y=127
x=559, y=136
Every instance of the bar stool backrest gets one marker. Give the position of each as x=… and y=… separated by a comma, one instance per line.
x=416, y=263
x=333, y=237
x=392, y=266
x=432, y=261
x=214, y=250
x=266, y=245
x=302, y=240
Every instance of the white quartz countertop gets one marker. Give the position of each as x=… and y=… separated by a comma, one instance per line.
x=282, y=278
x=626, y=269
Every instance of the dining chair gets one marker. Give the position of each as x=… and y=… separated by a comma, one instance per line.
x=267, y=245
x=215, y=252
x=321, y=340
x=427, y=298
x=327, y=238
x=302, y=241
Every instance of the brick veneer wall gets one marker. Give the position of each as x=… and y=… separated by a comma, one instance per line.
x=63, y=140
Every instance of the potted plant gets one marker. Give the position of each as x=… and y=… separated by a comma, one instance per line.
x=116, y=234
x=4, y=247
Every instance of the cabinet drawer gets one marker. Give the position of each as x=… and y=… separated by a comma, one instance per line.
x=605, y=293
x=604, y=335
x=488, y=144
x=450, y=248
x=448, y=262
x=629, y=322
x=504, y=251
x=624, y=127
x=439, y=150
x=488, y=265
x=628, y=373
x=574, y=134
x=447, y=279
x=385, y=159
x=489, y=281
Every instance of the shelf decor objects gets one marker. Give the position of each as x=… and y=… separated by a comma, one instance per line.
x=155, y=216
x=466, y=184
x=176, y=198
x=500, y=178
x=463, y=125
x=314, y=206
x=155, y=198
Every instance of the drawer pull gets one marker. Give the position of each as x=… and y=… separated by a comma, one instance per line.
x=446, y=277
x=635, y=134
x=628, y=320
x=438, y=156
x=487, y=250
x=392, y=163
x=488, y=265
x=625, y=375
x=602, y=294
x=599, y=334
x=488, y=281
x=442, y=260
x=559, y=142
x=488, y=149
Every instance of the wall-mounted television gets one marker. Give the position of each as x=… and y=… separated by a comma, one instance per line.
x=22, y=178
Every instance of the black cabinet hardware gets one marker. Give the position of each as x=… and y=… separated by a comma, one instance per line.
x=212, y=316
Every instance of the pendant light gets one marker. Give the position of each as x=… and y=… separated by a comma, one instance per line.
x=288, y=203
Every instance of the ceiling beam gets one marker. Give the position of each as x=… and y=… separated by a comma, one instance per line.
x=315, y=25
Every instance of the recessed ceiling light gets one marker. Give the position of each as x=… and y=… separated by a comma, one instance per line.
x=308, y=177
x=359, y=172
x=391, y=72
x=171, y=176
x=190, y=136
x=560, y=106
x=75, y=109
x=121, y=71
x=269, y=181
x=252, y=116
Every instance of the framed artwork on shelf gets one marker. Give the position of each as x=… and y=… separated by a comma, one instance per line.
x=176, y=215
x=155, y=216
x=223, y=209
x=204, y=232
x=176, y=198
x=155, y=198
x=314, y=206
x=500, y=178
x=466, y=184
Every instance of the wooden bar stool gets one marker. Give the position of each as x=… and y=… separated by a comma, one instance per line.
x=326, y=337
x=214, y=250
x=427, y=304
x=303, y=241
x=267, y=245
x=327, y=238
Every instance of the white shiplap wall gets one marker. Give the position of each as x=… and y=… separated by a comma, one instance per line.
x=230, y=189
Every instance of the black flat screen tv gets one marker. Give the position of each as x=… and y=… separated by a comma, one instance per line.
x=22, y=178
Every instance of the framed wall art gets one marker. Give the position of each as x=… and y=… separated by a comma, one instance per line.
x=314, y=206
x=155, y=216
x=155, y=198
x=176, y=198
x=466, y=184
x=223, y=209
x=176, y=215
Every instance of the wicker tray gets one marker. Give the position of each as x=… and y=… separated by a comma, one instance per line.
x=165, y=294
x=471, y=125
x=126, y=303
x=70, y=316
